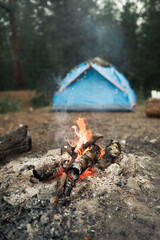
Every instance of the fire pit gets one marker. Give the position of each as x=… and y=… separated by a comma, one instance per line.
x=83, y=154
x=75, y=193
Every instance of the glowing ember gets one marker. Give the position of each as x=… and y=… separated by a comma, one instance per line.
x=102, y=152
x=88, y=172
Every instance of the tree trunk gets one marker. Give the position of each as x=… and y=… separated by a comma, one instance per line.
x=152, y=108
x=17, y=72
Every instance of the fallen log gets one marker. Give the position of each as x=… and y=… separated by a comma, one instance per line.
x=152, y=108
x=16, y=142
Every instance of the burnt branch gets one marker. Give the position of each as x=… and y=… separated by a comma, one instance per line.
x=93, y=140
x=47, y=171
x=60, y=187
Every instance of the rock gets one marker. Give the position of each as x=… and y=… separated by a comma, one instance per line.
x=158, y=207
x=44, y=219
x=141, y=180
x=123, y=142
x=153, y=140
x=57, y=217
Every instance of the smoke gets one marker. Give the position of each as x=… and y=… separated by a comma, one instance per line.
x=106, y=41
x=64, y=132
x=60, y=119
x=49, y=82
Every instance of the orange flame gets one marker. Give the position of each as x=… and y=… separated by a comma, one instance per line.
x=83, y=135
x=102, y=152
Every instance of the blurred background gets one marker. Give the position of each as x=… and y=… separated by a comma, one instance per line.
x=40, y=41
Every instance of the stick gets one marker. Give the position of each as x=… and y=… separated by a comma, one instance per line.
x=92, y=141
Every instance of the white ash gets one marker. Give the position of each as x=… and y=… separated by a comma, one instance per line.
x=17, y=187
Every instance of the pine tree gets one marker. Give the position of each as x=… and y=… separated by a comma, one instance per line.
x=149, y=46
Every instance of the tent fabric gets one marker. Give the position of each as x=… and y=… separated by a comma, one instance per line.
x=91, y=87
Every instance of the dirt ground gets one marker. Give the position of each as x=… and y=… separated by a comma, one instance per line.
x=130, y=210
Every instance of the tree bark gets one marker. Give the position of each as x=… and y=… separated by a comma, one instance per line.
x=152, y=108
x=14, y=143
x=16, y=64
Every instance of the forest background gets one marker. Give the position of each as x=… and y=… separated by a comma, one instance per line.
x=40, y=41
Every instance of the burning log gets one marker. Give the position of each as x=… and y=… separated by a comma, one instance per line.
x=88, y=159
x=74, y=170
x=53, y=170
x=16, y=142
x=86, y=145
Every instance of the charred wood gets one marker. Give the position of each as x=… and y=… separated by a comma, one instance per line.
x=16, y=142
x=88, y=159
x=112, y=152
x=60, y=187
x=93, y=140
x=63, y=185
x=47, y=171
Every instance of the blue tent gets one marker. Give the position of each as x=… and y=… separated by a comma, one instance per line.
x=94, y=87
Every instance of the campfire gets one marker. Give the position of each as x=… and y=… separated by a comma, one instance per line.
x=77, y=191
x=82, y=154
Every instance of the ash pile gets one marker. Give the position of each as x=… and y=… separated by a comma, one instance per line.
x=82, y=192
x=94, y=202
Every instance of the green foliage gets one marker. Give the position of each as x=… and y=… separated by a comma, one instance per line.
x=39, y=101
x=9, y=105
x=142, y=95
x=54, y=36
x=148, y=57
x=128, y=21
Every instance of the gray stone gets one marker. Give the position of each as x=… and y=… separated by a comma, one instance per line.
x=57, y=217
x=158, y=207
x=44, y=219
